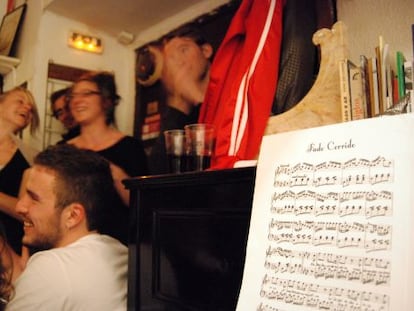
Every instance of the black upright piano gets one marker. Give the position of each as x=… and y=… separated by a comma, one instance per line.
x=188, y=237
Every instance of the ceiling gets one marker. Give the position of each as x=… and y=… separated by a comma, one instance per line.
x=116, y=16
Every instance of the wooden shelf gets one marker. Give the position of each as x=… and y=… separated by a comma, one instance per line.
x=7, y=64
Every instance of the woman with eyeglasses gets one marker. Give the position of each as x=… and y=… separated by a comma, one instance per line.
x=17, y=111
x=92, y=101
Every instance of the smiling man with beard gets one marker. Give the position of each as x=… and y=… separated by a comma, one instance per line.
x=67, y=194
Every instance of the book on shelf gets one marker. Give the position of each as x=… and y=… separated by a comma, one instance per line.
x=384, y=75
x=408, y=75
x=395, y=91
x=409, y=81
x=344, y=90
x=412, y=37
x=358, y=107
x=352, y=102
x=385, y=78
x=373, y=86
x=400, y=59
x=366, y=97
x=389, y=89
x=380, y=74
x=332, y=224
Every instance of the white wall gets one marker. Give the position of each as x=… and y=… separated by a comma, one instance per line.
x=366, y=20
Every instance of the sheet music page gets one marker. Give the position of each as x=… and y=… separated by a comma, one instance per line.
x=332, y=222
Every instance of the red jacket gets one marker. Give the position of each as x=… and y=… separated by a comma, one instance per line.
x=243, y=81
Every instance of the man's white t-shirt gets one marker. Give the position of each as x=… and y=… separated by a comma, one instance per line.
x=89, y=274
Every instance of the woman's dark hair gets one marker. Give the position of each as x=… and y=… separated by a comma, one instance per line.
x=105, y=81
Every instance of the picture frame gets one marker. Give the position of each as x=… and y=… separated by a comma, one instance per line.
x=9, y=30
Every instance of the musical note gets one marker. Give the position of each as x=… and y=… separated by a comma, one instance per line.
x=336, y=205
x=321, y=297
x=349, y=203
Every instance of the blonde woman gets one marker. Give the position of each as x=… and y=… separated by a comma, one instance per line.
x=17, y=111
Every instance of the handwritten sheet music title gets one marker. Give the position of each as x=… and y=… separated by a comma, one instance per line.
x=331, y=145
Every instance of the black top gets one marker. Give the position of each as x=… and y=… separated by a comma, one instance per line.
x=73, y=132
x=172, y=119
x=10, y=179
x=128, y=153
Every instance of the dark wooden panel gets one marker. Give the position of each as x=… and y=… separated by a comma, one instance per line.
x=63, y=72
x=188, y=239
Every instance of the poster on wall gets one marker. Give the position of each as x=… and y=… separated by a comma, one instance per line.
x=9, y=29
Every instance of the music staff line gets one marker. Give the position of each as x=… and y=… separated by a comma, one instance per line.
x=379, y=162
x=362, y=270
x=367, y=236
x=363, y=203
x=343, y=180
x=331, y=271
x=297, y=192
x=265, y=307
x=330, y=258
x=352, y=172
x=321, y=297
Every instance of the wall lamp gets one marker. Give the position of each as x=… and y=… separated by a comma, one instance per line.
x=85, y=42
